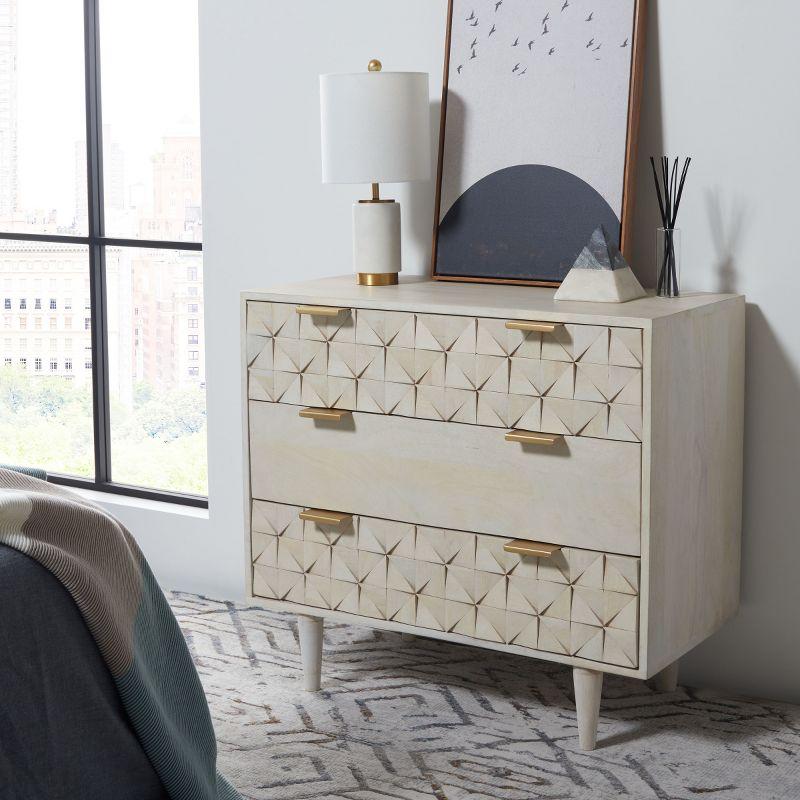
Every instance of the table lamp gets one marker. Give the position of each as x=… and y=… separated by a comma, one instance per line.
x=375, y=129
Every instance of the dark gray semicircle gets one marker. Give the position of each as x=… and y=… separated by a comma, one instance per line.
x=528, y=222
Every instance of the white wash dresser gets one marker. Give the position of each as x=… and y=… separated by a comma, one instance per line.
x=483, y=465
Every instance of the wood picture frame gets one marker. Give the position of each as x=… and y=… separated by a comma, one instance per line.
x=485, y=260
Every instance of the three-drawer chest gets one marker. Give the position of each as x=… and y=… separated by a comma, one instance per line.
x=485, y=465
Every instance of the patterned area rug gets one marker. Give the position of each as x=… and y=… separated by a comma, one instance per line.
x=414, y=718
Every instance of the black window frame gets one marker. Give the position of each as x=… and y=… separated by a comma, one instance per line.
x=97, y=242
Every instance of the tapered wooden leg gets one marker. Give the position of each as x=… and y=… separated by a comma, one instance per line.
x=310, y=629
x=588, y=689
x=667, y=679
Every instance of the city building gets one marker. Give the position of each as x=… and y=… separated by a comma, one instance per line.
x=168, y=318
x=46, y=317
x=8, y=109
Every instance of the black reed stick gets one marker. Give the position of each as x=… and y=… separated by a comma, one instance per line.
x=669, y=190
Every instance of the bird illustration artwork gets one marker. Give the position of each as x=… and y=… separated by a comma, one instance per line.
x=591, y=44
x=552, y=50
x=546, y=30
x=531, y=43
x=474, y=24
x=523, y=72
x=516, y=68
x=474, y=55
x=459, y=68
x=590, y=17
x=474, y=43
x=497, y=5
x=598, y=47
x=516, y=42
x=494, y=28
x=546, y=19
x=624, y=44
x=471, y=16
x=565, y=6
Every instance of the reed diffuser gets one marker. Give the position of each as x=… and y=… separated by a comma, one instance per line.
x=669, y=189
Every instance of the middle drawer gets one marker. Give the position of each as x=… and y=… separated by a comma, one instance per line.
x=581, y=493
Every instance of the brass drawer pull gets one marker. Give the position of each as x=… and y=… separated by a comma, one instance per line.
x=528, y=437
x=524, y=548
x=321, y=311
x=325, y=517
x=532, y=327
x=325, y=414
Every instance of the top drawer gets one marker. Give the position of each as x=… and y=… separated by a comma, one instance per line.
x=573, y=380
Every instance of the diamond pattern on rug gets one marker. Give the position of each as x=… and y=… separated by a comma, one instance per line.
x=417, y=719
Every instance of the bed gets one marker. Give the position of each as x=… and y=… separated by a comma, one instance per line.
x=63, y=732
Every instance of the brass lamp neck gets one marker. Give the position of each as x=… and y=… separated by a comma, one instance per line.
x=376, y=196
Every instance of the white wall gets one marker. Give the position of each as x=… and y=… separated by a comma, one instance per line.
x=721, y=85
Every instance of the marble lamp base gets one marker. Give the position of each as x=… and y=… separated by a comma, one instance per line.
x=376, y=242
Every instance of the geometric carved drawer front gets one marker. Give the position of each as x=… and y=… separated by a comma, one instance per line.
x=580, y=380
x=577, y=602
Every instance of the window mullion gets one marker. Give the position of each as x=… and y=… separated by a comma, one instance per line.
x=97, y=272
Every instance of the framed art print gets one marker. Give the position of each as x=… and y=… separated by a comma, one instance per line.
x=538, y=138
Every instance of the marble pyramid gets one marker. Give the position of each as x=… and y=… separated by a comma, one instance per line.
x=600, y=275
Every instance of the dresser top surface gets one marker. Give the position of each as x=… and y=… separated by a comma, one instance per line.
x=443, y=297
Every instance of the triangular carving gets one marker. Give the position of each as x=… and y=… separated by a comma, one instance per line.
x=490, y=589
x=460, y=585
x=626, y=347
x=461, y=371
x=401, y=607
x=522, y=630
x=493, y=409
x=621, y=574
x=401, y=574
x=431, y=613
x=490, y=624
x=344, y=596
x=459, y=618
x=586, y=641
x=554, y=636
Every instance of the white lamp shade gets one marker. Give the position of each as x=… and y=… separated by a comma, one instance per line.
x=376, y=127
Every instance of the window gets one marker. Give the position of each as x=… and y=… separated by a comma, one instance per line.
x=23, y=304
x=194, y=323
x=194, y=339
x=100, y=208
x=193, y=355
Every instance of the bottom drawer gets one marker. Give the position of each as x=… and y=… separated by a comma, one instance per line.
x=575, y=602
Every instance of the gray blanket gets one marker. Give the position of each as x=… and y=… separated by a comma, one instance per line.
x=63, y=732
